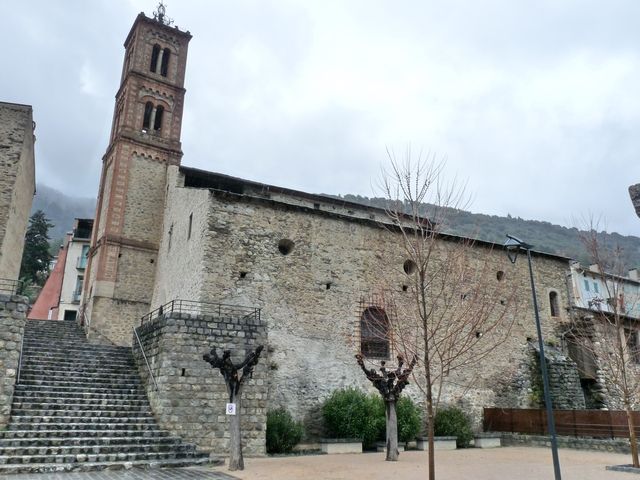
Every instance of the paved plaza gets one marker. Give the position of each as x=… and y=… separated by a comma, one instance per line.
x=519, y=463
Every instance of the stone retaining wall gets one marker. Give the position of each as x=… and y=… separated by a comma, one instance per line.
x=13, y=315
x=579, y=443
x=191, y=396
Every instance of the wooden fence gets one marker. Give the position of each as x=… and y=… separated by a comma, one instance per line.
x=576, y=423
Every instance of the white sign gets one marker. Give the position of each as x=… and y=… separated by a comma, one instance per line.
x=231, y=408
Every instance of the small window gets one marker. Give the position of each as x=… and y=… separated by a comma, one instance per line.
x=154, y=58
x=148, y=109
x=586, y=285
x=553, y=304
x=374, y=333
x=164, y=68
x=595, y=287
x=190, y=224
x=499, y=275
x=157, y=124
x=409, y=267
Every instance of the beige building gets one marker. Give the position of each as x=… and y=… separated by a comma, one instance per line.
x=17, y=186
x=77, y=245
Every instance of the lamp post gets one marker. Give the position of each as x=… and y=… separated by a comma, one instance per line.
x=513, y=246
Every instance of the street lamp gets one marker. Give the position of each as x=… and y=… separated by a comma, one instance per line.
x=513, y=246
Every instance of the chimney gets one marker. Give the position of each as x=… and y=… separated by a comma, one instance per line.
x=634, y=274
x=594, y=268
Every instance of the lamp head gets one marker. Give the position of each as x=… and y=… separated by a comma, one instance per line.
x=513, y=245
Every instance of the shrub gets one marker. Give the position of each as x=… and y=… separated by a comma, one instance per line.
x=350, y=413
x=452, y=421
x=409, y=421
x=283, y=432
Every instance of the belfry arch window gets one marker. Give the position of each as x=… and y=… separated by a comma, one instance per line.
x=553, y=303
x=374, y=333
x=157, y=124
x=155, y=53
x=164, y=66
x=148, y=110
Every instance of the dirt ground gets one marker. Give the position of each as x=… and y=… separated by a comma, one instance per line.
x=520, y=463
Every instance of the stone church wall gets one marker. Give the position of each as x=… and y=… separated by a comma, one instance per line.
x=311, y=297
x=191, y=396
x=17, y=184
x=13, y=315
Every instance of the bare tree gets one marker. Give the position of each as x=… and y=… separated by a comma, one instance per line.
x=454, y=310
x=234, y=383
x=390, y=384
x=605, y=324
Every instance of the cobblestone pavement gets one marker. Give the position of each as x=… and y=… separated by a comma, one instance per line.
x=199, y=473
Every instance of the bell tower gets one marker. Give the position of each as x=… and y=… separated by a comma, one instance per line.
x=144, y=141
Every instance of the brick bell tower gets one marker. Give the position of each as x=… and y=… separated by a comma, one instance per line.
x=145, y=140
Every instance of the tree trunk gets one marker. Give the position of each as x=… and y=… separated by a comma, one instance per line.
x=236, y=462
x=633, y=440
x=430, y=416
x=392, y=431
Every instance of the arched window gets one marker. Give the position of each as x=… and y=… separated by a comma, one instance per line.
x=164, y=68
x=154, y=58
x=553, y=303
x=148, y=110
x=157, y=124
x=374, y=333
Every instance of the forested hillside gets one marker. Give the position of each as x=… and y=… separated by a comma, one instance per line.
x=61, y=209
x=544, y=236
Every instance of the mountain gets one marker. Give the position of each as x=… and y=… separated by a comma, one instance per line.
x=61, y=209
x=545, y=236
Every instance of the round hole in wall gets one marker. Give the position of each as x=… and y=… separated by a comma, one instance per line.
x=151, y=261
x=409, y=267
x=405, y=288
x=285, y=246
x=499, y=275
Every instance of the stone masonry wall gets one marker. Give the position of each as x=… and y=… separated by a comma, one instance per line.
x=191, y=396
x=17, y=184
x=311, y=297
x=13, y=315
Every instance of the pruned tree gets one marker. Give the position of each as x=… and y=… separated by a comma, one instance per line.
x=605, y=324
x=36, y=256
x=456, y=307
x=234, y=382
x=390, y=384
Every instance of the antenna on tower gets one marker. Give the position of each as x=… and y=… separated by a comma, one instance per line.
x=160, y=15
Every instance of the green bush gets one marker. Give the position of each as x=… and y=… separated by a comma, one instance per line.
x=350, y=413
x=409, y=420
x=452, y=421
x=283, y=432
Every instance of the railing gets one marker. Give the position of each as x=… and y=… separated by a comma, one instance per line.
x=20, y=359
x=202, y=308
x=11, y=287
x=145, y=359
x=575, y=423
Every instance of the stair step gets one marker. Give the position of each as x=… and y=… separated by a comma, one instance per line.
x=88, y=441
x=68, y=412
x=51, y=426
x=80, y=458
x=75, y=396
x=125, y=388
x=64, y=404
x=91, y=466
x=102, y=434
x=100, y=449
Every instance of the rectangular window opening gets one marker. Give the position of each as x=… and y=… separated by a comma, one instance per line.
x=190, y=225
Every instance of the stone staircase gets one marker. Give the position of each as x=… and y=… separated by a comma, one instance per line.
x=80, y=406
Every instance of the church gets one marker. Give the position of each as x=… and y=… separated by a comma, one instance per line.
x=182, y=260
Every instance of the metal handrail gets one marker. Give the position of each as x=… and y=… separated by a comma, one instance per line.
x=145, y=358
x=201, y=308
x=20, y=358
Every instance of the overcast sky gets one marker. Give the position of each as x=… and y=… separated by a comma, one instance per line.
x=535, y=103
